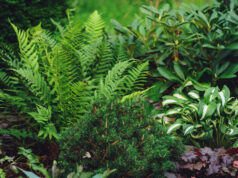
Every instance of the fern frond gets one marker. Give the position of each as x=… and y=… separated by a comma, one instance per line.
x=36, y=84
x=94, y=26
x=114, y=80
x=42, y=116
x=106, y=60
x=59, y=27
x=8, y=56
x=11, y=101
x=27, y=49
x=19, y=134
x=5, y=79
x=121, y=54
x=88, y=56
x=136, y=77
x=134, y=95
x=81, y=97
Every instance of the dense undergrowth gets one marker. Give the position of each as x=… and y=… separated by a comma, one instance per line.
x=78, y=101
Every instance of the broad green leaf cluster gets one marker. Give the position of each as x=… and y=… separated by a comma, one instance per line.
x=206, y=117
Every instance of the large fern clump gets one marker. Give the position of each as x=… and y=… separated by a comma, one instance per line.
x=54, y=80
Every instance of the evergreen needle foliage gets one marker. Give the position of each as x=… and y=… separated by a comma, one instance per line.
x=121, y=136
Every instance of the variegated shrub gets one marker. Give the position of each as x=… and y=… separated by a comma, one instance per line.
x=205, y=118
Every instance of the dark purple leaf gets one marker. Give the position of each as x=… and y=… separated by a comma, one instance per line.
x=169, y=175
x=214, y=159
x=204, y=158
x=189, y=166
x=213, y=169
x=189, y=156
x=220, y=151
x=198, y=166
x=206, y=151
x=227, y=160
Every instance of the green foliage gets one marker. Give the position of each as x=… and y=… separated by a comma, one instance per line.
x=33, y=163
x=26, y=14
x=206, y=118
x=190, y=42
x=59, y=78
x=77, y=174
x=2, y=174
x=121, y=136
x=121, y=10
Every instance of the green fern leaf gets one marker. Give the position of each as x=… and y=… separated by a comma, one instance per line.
x=134, y=95
x=114, y=80
x=136, y=77
x=94, y=26
x=106, y=60
x=36, y=84
x=27, y=49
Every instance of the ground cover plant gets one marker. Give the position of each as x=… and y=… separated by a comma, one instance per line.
x=205, y=162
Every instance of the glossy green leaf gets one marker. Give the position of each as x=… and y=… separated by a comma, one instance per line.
x=171, y=100
x=188, y=129
x=179, y=70
x=230, y=72
x=180, y=96
x=174, y=127
x=167, y=74
x=29, y=174
x=194, y=94
x=173, y=111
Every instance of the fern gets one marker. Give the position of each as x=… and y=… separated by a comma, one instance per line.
x=5, y=79
x=121, y=54
x=136, y=77
x=42, y=115
x=10, y=101
x=106, y=60
x=8, y=56
x=36, y=84
x=81, y=98
x=134, y=95
x=56, y=80
x=19, y=134
x=119, y=82
x=27, y=49
x=88, y=57
x=94, y=26
x=114, y=80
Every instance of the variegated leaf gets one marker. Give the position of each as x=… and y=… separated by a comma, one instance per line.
x=194, y=94
x=174, y=127
x=189, y=129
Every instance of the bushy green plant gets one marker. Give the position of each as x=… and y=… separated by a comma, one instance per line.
x=206, y=118
x=203, y=41
x=55, y=79
x=120, y=136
